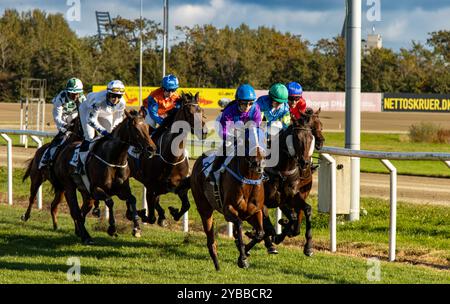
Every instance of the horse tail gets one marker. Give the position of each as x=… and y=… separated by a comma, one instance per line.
x=28, y=171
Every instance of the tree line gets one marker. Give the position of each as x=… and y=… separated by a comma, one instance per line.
x=37, y=44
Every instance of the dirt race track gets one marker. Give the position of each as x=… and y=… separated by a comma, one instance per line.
x=412, y=189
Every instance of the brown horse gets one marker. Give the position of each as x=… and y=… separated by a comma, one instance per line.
x=108, y=173
x=168, y=170
x=290, y=181
x=241, y=198
x=39, y=176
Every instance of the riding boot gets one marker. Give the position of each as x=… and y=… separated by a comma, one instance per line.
x=45, y=158
x=84, y=151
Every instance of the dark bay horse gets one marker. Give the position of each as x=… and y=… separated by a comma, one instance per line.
x=290, y=181
x=108, y=172
x=168, y=169
x=241, y=198
x=39, y=176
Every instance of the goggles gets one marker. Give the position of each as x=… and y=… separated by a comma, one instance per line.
x=170, y=91
x=246, y=102
x=114, y=96
x=117, y=90
x=294, y=98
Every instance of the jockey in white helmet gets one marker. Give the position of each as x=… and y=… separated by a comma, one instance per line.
x=101, y=113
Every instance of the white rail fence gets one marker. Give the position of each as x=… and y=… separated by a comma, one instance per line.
x=326, y=152
x=384, y=157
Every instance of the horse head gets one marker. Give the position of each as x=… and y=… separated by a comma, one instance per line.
x=316, y=127
x=191, y=112
x=302, y=140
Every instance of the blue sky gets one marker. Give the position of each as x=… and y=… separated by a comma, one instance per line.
x=400, y=21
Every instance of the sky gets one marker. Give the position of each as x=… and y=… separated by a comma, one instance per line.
x=399, y=22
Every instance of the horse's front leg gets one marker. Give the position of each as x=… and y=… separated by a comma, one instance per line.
x=256, y=220
x=182, y=192
x=162, y=221
x=308, y=250
x=112, y=229
x=131, y=202
x=242, y=260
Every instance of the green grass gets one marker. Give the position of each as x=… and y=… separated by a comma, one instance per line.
x=33, y=253
x=395, y=143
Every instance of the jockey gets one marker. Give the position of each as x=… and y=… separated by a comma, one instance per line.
x=65, y=110
x=161, y=101
x=275, y=108
x=101, y=113
x=297, y=104
x=243, y=109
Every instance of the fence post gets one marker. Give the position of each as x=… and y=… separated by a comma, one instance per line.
x=39, y=194
x=186, y=222
x=10, y=167
x=393, y=209
x=332, y=221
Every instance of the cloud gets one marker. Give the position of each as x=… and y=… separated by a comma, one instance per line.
x=402, y=20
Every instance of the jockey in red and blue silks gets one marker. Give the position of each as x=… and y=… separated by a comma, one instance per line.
x=296, y=102
x=240, y=111
x=161, y=101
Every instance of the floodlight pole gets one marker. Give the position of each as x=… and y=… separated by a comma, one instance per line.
x=165, y=33
x=353, y=99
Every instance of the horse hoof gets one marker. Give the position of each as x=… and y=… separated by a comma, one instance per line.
x=88, y=242
x=96, y=212
x=308, y=252
x=24, y=218
x=112, y=231
x=243, y=263
x=55, y=227
x=277, y=239
x=162, y=222
x=272, y=250
x=151, y=220
x=137, y=233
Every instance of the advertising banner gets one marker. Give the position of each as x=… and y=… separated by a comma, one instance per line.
x=208, y=97
x=402, y=102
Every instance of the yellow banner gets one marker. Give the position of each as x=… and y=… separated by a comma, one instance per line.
x=208, y=97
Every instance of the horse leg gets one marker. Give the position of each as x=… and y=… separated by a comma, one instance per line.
x=256, y=220
x=54, y=207
x=112, y=229
x=239, y=240
x=151, y=218
x=88, y=203
x=185, y=205
x=161, y=213
x=96, y=212
x=307, y=250
x=208, y=227
x=36, y=181
x=132, y=214
x=75, y=212
x=269, y=231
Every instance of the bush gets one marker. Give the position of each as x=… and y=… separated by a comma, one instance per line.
x=428, y=132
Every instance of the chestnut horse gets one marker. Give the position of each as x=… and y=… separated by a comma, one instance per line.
x=290, y=181
x=168, y=169
x=241, y=198
x=108, y=172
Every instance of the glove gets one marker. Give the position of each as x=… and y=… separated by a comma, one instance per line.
x=106, y=133
x=63, y=130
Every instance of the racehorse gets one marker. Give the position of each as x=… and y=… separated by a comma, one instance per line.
x=39, y=176
x=108, y=173
x=290, y=181
x=168, y=169
x=241, y=197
